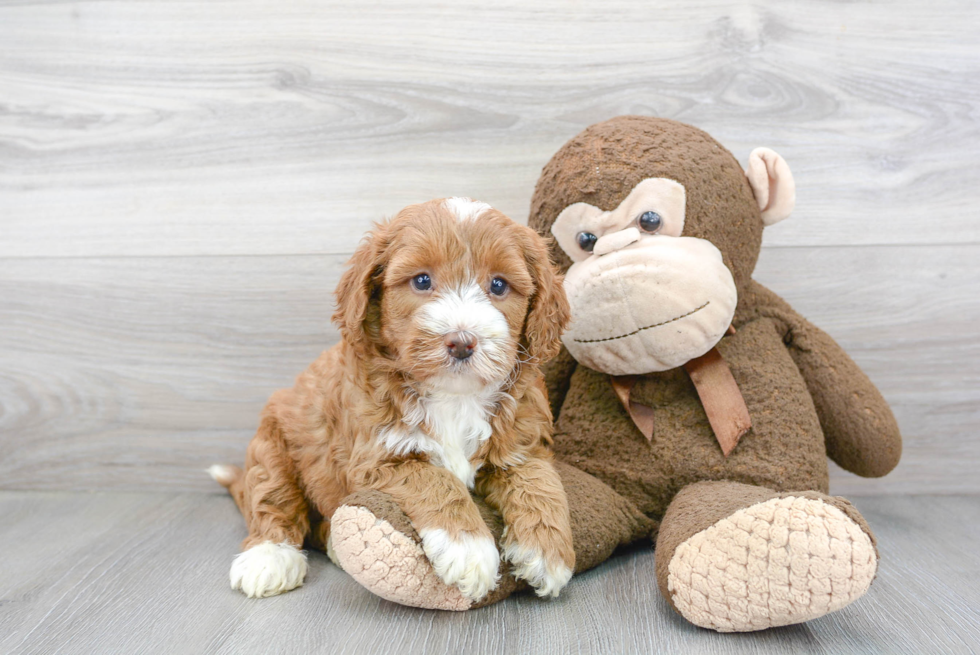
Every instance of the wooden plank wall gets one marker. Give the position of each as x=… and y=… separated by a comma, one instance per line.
x=181, y=182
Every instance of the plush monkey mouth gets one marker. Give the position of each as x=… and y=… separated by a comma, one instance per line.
x=648, y=327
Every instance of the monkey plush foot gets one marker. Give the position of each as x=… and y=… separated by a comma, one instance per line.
x=374, y=542
x=737, y=558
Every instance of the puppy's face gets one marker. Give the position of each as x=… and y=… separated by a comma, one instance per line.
x=453, y=293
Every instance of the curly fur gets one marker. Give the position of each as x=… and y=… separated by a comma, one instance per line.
x=388, y=409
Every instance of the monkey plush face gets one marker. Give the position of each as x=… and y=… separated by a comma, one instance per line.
x=659, y=227
x=646, y=298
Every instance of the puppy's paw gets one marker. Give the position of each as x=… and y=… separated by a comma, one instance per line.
x=548, y=575
x=268, y=569
x=470, y=562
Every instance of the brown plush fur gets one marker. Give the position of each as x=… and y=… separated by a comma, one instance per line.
x=316, y=442
x=602, y=164
x=807, y=399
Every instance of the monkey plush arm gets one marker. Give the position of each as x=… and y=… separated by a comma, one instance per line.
x=861, y=433
x=557, y=376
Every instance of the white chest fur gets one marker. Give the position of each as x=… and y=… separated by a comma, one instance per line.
x=448, y=427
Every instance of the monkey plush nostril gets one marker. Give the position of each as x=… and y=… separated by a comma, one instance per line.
x=616, y=241
x=460, y=344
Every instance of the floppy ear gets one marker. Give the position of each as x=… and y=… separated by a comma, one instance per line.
x=549, y=313
x=772, y=184
x=359, y=286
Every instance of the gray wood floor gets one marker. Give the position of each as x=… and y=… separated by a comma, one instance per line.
x=147, y=573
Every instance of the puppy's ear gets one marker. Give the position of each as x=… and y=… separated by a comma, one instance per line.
x=549, y=313
x=359, y=288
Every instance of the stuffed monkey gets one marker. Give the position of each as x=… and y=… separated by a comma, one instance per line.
x=693, y=406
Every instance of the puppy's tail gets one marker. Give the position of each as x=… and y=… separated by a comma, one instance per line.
x=231, y=478
x=227, y=475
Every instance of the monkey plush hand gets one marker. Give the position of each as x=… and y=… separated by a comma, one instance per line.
x=693, y=406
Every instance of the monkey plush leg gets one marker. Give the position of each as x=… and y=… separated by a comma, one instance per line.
x=372, y=539
x=736, y=558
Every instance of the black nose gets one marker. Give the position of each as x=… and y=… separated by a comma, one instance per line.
x=460, y=344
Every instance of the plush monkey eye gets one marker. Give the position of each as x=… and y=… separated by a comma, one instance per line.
x=586, y=241
x=422, y=282
x=650, y=222
x=498, y=286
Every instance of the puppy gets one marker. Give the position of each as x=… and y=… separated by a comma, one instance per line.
x=445, y=314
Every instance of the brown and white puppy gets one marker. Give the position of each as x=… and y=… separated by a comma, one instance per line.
x=434, y=391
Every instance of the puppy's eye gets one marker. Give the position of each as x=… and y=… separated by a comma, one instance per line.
x=422, y=282
x=498, y=286
x=586, y=241
x=650, y=222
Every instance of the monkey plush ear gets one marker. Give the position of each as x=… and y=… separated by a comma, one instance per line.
x=772, y=183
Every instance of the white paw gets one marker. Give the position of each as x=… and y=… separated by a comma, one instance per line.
x=268, y=569
x=469, y=562
x=530, y=564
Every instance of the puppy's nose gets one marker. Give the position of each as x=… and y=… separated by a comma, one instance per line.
x=460, y=344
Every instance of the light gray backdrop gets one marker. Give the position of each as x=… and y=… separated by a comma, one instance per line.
x=181, y=182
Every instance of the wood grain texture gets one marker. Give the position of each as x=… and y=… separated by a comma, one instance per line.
x=177, y=128
x=144, y=573
x=181, y=181
x=138, y=373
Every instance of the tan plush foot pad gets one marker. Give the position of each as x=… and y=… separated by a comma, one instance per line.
x=387, y=562
x=783, y=561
